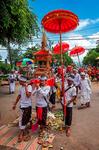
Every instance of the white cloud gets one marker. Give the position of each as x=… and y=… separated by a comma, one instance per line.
x=94, y=21
x=95, y=35
x=80, y=40
x=85, y=22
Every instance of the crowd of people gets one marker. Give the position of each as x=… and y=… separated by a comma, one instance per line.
x=76, y=83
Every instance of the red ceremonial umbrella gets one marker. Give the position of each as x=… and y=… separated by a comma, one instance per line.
x=60, y=21
x=76, y=51
x=65, y=47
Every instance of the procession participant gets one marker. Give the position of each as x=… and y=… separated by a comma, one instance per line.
x=76, y=79
x=76, y=82
x=41, y=93
x=69, y=69
x=85, y=86
x=86, y=74
x=81, y=69
x=24, y=97
x=70, y=96
x=11, y=80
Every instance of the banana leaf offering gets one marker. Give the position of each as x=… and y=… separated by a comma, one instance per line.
x=55, y=123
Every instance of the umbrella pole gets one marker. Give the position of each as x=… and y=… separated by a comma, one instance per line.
x=61, y=48
x=79, y=60
x=63, y=93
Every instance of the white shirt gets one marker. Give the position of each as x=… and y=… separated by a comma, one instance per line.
x=12, y=78
x=40, y=93
x=85, y=85
x=77, y=79
x=69, y=94
x=24, y=100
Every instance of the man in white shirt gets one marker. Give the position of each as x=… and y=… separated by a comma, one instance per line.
x=76, y=82
x=41, y=93
x=76, y=79
x=70, y=96
x=24, y=97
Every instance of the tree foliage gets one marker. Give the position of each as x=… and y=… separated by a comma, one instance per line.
x=16, y=55
x=5, y=68
x=91, y=56
x=66, y=59
x=29, y=52
x=17, y=22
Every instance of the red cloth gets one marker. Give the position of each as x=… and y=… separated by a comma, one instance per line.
x=34, y=127
x=34, y=81
x=50, y=82
x=39, y=113
x=59, y=70
x=81, y=69
x=69, y=68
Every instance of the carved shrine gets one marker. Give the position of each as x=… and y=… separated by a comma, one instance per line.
x=43, y=59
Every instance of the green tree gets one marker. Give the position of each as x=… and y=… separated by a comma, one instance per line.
x=91, y=56
x=5, y=68
x=29, y=52
x=17, y=23
x=16, y=55
x=66, y=59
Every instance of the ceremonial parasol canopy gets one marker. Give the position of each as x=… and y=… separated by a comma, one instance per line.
x=60, y=21
x=76, y=51
x=65, y=47
x=24, y=62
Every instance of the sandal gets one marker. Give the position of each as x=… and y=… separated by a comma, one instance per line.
x=45, y=144
x=40, y=141
x=20, y=138
x=41, y=134
x=26, y=138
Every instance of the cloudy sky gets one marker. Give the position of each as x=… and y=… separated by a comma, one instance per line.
x=86, y=34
